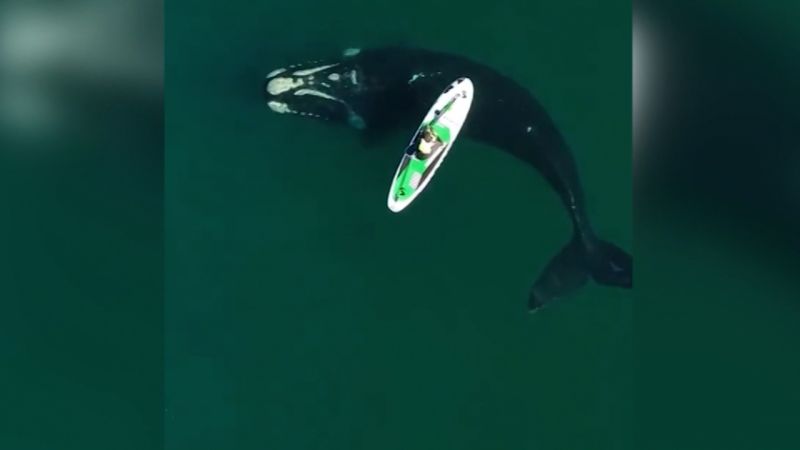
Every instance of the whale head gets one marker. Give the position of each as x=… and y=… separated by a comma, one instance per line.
x=326, y=90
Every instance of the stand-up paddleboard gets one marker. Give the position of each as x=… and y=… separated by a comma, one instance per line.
x=430, y=144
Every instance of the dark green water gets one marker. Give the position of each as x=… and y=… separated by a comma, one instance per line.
x=283, y=328
x=297, y=318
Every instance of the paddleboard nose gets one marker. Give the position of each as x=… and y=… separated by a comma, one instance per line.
x=394, y=206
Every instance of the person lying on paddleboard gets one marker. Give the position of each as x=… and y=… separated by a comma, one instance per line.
x=428, y=143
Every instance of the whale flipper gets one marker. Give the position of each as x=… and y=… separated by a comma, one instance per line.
x=571, y=268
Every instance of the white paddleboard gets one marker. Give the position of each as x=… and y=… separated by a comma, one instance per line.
x=439, y=129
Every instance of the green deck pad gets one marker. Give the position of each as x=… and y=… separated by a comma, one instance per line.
x=404, y=179
x=441, y=131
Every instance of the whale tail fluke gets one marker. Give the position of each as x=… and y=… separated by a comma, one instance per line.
x=571, y=268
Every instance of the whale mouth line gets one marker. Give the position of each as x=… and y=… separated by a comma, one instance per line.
x=283, y=108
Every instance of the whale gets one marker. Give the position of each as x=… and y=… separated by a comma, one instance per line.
x=388, y=88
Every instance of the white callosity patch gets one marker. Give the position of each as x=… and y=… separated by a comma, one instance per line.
x=276, y=72
x=281, y=85
x=334, y=77
x=305, y=72
x=316, y=94
x=351, y=51
x=353, y=77
x=280, y=108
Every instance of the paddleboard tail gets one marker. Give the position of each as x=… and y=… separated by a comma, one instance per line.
x=583, y=257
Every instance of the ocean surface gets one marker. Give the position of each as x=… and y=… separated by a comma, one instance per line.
x=302, y=314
